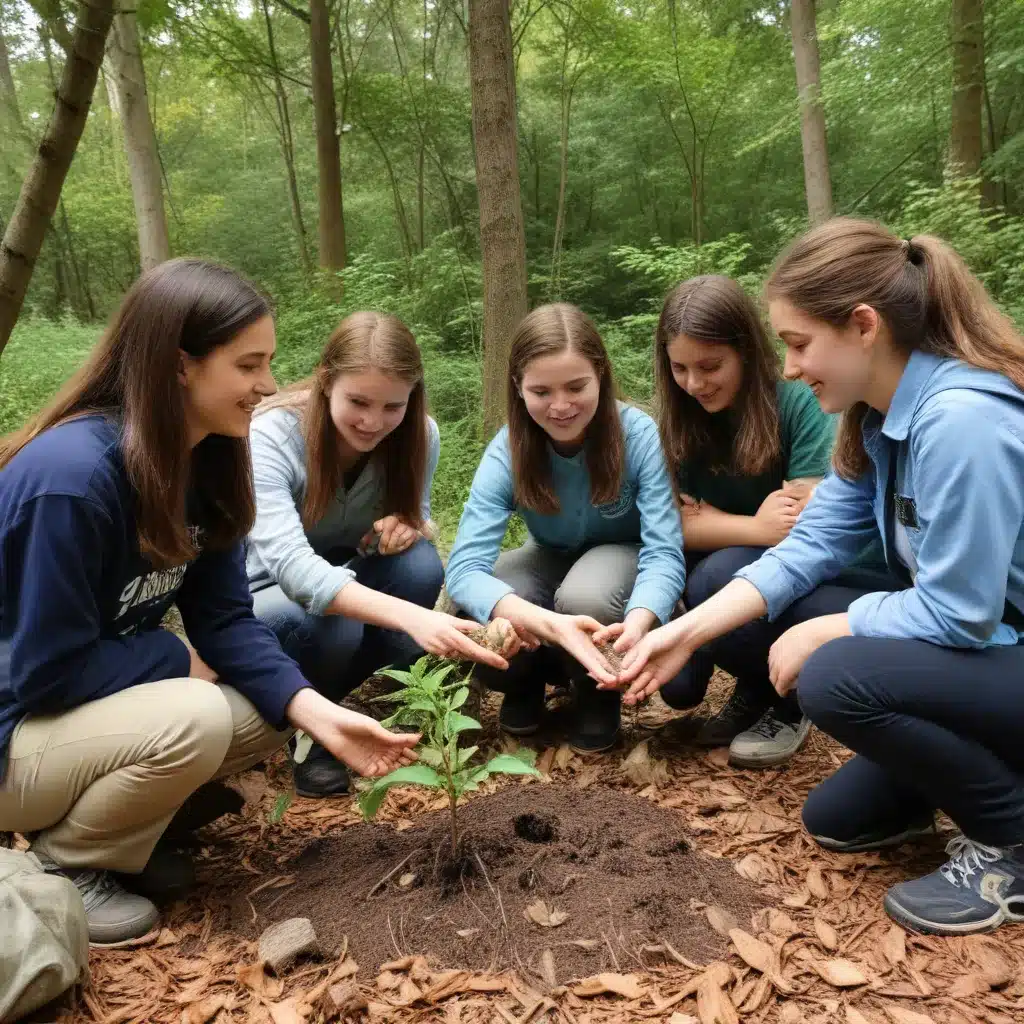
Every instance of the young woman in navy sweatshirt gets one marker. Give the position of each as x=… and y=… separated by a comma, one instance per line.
x=130, y=491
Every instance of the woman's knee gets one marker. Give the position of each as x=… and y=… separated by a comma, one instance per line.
x=418, y=573
x=201, y=724
x=823, y=686
x=712, y=573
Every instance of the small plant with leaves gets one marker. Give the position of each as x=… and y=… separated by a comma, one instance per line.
x=431, y=704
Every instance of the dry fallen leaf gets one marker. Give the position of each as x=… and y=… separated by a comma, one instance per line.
x=255, y=977
x=206, y=1010
x=406, y=880
x=756, y=953
x=901, y=1015
x=627, y=985
x=827, y=935
x=683, y=1018
x=816, y=884
x=854, y=1016
x=781, y=924
x=840, y=973
x=547, y=968
x=563, y=756
x=409, y=991
x=721, y=920
x=713, y=1005
x=790, y=1014
x=643, y=770
x=894, y=945
x=968, y=985
x=286, y=1012
x=797, y=899
x=466, y=933
x=996, y=969
x=753, y=867
x=547, y=917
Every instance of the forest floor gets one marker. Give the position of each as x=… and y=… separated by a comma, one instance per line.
x=799, y=934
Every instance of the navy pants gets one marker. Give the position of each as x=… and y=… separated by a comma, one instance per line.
x=933, y=728
x=335, y=653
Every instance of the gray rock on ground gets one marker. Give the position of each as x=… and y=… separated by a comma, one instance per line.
x=283, y=943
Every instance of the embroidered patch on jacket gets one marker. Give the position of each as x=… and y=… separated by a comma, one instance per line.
x=906, y=512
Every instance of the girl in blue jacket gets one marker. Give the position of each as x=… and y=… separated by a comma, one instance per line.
x=131, y=491
x=921, y=680
x=587, y=475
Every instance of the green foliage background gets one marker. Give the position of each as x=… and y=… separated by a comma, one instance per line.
x=682, y=153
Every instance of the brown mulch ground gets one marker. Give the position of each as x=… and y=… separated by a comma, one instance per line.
x=820, y=950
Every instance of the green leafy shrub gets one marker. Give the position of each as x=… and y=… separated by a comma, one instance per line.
x=431, y=705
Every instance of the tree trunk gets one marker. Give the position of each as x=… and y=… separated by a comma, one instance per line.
x=967, y=35
x=287, y=146
x=502, y=237
x=328, y=155
x=40, y=192
x=129, y=99
x=817, y=180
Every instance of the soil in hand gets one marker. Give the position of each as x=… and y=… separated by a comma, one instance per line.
x=594, y=876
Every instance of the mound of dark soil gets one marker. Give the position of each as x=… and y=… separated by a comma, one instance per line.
x=592, y=875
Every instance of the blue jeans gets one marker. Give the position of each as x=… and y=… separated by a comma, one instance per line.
x=335, y=653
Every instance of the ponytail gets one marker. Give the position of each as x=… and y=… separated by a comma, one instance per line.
x=919, y=286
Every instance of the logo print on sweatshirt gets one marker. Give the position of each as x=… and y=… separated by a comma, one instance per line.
x=150, y=587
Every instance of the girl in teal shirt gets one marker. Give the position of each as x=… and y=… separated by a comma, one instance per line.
x=588, y=476
x=747, y=449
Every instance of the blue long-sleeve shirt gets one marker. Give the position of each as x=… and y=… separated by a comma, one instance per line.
x=957, y=433
x=644, y=512
x=80, y=606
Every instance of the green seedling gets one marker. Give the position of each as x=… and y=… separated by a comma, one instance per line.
x=430, y=704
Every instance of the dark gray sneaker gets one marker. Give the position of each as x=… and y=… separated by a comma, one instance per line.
x=774, y=738
x=977, y=889
x=112, y=913
x=870, y=841
x=738, y=714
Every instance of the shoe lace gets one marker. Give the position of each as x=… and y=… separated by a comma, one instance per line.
x=966, y=857
x=768, y=726
x=95, y=887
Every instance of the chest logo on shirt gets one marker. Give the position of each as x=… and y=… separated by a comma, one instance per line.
x=620, y=506
x=906, y=512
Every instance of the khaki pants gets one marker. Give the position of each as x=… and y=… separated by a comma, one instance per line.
x=100, y=783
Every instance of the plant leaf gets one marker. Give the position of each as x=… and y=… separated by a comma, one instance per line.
x=465, y=755
x=409, y=774
x=460, y=698
x=428, y=755
x=509, y=764
x=280, y=808
x=455, y=722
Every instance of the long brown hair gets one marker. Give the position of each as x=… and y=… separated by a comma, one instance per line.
x=548, y=330
x=132, y=375
x=715, y=309
x=363, y=341
x=919, y=286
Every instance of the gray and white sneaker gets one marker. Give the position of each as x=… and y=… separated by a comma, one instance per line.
x=112, y=913
x=774, y=738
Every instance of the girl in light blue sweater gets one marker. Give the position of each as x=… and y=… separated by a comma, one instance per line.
x=340, y=560
x=588, y=476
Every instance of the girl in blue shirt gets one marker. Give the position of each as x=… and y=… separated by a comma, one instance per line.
x=921, y=680
x=587, y=475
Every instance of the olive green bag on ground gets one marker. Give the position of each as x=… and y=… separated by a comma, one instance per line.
x=44, y=939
